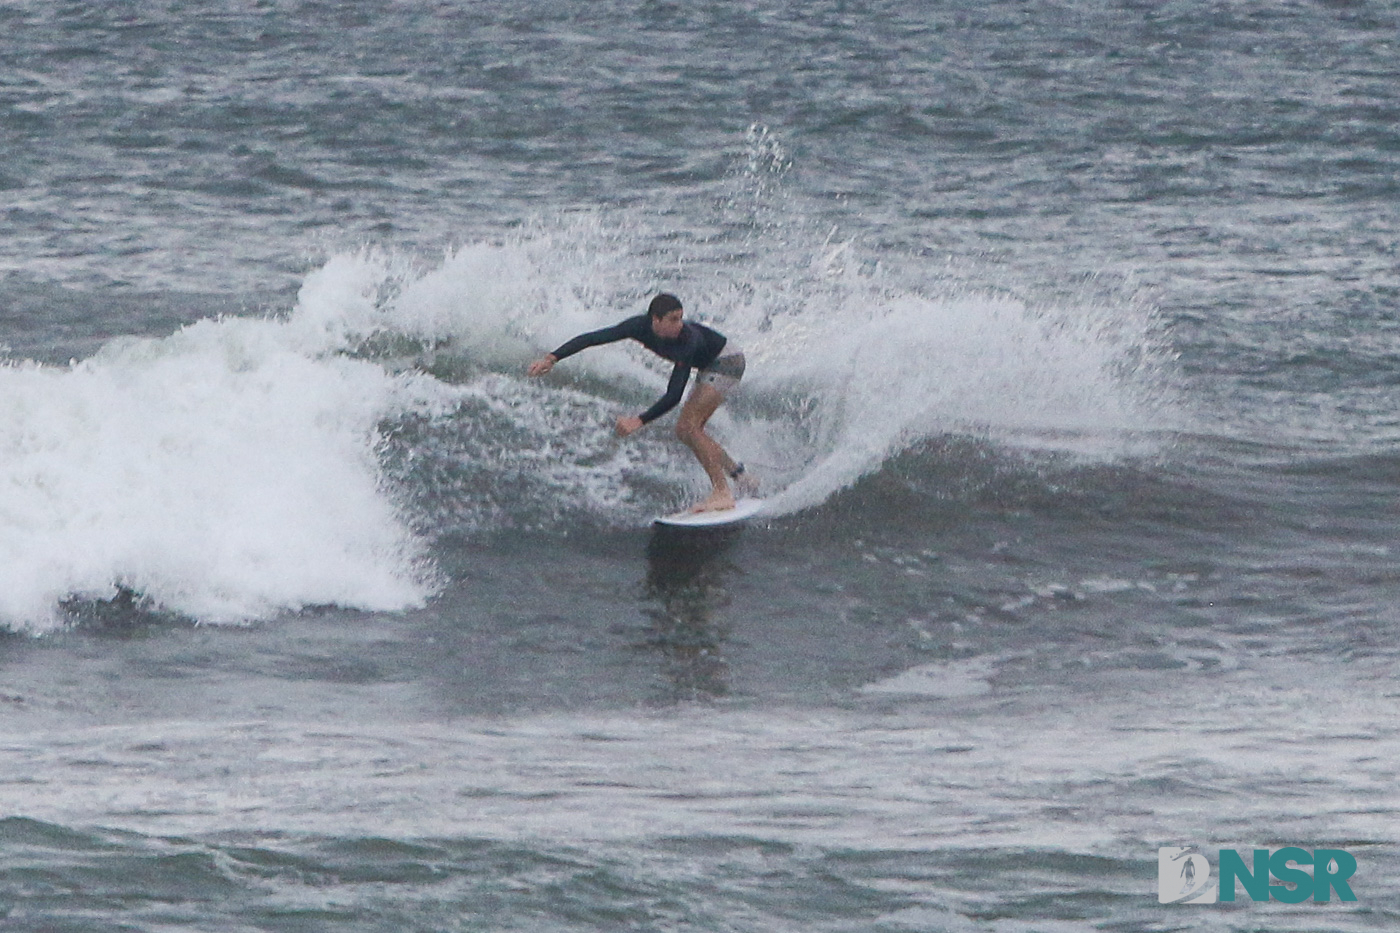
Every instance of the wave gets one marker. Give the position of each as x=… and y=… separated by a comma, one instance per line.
x=244, y=467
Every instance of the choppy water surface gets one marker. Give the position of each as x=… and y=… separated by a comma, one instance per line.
x=1072, y=381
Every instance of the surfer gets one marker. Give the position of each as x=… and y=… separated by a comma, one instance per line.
x=664, y=331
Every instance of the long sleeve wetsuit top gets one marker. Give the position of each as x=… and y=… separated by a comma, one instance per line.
x=696, y=347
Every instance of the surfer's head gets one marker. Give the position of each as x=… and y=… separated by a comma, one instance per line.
x=666, y=314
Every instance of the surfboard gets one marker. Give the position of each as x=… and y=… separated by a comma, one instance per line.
x=744, y=508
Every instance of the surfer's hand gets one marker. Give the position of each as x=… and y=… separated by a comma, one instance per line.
x=626, y=426
x=542, y=365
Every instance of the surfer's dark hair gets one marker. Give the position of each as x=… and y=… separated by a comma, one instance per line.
x=663, y=304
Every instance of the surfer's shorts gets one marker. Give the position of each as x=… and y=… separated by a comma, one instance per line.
x=725, y=372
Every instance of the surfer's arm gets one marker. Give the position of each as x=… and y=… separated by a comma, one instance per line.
x=593, y=338
x=674, y=390
x=596, y=338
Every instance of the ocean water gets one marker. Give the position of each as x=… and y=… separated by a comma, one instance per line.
x=1073, y=382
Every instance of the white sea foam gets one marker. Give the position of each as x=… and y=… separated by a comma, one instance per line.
x=886, y=371
x=227, y=472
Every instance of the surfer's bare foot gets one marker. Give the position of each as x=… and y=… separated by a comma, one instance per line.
x=717, y=502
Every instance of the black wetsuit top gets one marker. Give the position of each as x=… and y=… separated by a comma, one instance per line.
x=697, y=347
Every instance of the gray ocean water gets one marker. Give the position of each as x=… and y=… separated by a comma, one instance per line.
x=1073, y=382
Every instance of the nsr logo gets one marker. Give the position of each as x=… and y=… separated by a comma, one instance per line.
x=1183, y=875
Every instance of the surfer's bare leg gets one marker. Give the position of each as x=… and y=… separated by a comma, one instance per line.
x=690, y=428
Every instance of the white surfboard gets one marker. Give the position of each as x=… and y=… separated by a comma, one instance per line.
x=744, y=508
